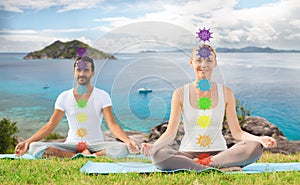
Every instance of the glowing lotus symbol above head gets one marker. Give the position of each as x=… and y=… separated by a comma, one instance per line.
x=81, y=52
x=204, y=35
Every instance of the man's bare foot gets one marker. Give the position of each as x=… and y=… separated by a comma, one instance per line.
x=231, y=169
x=86, y=152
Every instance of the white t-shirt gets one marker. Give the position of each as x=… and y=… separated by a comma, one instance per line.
x=84, y=118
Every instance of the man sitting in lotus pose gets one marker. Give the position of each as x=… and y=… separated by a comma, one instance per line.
x=84, y=107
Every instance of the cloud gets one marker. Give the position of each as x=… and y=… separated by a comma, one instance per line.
x=63, y=5
x=237, y=27
x=273, y=24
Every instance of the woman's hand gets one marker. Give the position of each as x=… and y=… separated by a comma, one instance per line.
x=268, y=142
x=21, y=148
x=147, y=149
x=133, y=148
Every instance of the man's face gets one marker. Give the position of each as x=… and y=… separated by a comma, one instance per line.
x=83, y=72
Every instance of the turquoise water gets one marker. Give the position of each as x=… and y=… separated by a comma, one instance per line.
x=268, y=84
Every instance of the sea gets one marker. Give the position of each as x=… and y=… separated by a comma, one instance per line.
x=267, y=84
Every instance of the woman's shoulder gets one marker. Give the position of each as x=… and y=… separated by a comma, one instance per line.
x=226, y=88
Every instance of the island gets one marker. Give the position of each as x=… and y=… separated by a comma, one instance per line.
x=67, y=50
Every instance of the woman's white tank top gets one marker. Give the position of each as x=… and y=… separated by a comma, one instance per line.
x=202, y=136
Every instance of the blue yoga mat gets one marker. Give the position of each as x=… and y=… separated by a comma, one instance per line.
x=136, y=167
x=13, y=156
x=79, y=155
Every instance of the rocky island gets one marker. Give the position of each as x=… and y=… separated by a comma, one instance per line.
x=67, y=50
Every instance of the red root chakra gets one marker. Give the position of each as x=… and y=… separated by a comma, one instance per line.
x=204, y=159
x=81, y=146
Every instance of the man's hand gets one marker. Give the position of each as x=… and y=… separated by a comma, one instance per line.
x=133, y=148
x=21, y=148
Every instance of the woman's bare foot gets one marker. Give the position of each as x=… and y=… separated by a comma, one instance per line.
x=231, y=169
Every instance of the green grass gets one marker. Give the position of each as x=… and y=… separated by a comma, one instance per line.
x=66, y=171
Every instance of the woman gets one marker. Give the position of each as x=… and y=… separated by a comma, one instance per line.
x=203, y=144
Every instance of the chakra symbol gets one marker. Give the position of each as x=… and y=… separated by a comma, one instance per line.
x=204, y=121
x=204, y=103
x=81, y=103
x=81, y=65
x=81, y=52
x=204, y=52
x=204, y=141
x=81, y=146
x=203, y=85
x=204, y=159
x=81, y=132
x=204, y=35
x=81, y=89
x=81, y=117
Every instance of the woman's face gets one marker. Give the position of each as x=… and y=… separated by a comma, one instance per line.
x=203, y=67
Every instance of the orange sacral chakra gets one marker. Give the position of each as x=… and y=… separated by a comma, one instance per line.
x=204, y=140
x=81, y=132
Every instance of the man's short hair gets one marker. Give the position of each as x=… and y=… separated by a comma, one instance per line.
x=86, y=59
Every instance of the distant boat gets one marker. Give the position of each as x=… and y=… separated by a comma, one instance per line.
x=144, y=90
x=46, y=86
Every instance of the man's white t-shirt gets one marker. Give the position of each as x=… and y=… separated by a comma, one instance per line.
x=85, y=118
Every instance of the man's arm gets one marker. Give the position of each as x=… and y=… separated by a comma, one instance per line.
x=56, y=117
x=118, y=131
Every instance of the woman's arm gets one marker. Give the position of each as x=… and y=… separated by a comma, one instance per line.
x=234, y=125
x=169, y=135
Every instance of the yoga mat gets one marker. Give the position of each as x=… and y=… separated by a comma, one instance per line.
x=79, y=155
x=13, y=156
x=136, y=167
x=125, y=167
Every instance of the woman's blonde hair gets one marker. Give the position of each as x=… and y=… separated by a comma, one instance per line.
x=196, y=49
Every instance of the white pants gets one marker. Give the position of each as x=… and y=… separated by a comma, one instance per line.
x=113, y=148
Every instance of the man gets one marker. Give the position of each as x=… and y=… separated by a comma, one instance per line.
x=84, y=107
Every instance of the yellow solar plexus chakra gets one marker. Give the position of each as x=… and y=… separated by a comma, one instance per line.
x=204, y=141
x=81, y=117
x=204, y=121
x=81, y=132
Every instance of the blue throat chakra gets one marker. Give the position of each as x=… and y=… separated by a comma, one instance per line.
x=204, y=52
x=203, y=85
x=81, y=89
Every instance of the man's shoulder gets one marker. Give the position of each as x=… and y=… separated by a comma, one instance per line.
x=100, y=91
x=67, y=92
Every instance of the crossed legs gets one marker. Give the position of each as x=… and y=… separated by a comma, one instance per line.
x=239, y=155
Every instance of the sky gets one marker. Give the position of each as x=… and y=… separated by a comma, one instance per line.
x=108, y=25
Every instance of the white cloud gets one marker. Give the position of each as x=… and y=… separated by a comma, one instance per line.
x=259, y=25
x=65, y=5
x=273, y=24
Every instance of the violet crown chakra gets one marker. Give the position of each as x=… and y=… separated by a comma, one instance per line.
x=81, y=52
x=204, y=35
